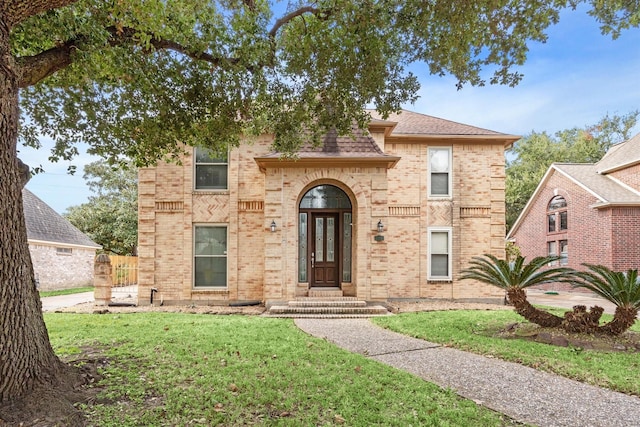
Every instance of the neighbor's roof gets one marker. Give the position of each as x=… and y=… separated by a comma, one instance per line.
x=606, y=189
x=621, y=155
x=46, y=225
x=412, y=123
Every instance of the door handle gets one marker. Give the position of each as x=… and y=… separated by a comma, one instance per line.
x=313, y=259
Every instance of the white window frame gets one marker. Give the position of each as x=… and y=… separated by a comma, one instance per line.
x=449, y=232
x=194, y=256
x=449, y=173
x=195, y=174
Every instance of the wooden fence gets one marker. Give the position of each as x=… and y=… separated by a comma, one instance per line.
x=124, y=270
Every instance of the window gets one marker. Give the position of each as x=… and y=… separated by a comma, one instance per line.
x=439, y=171
x=552, y=250
x=439, y=254
x=563, y=220
x=64, y=251
x=564, y=252
x=210, y=256
x=211, y=172
x=557, y=219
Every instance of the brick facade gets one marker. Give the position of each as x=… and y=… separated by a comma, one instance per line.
x=263, y=265
x=55, y=270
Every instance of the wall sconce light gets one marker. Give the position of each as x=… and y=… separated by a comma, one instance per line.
x=273, y=226
x=379, y=237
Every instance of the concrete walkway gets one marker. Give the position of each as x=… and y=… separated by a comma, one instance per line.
x=524, y=394
x=62, y=301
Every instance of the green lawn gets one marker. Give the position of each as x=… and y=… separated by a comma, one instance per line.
x=474, y=331
x=65, y=291
x=201, y=370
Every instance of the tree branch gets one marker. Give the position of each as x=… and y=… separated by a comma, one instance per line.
x=290, y=16
x=38, y=67
x=15, y=11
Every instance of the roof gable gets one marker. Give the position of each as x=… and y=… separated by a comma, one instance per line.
x=45, y=224
x=620, y=156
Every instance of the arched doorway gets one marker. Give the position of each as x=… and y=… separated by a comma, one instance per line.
x=324, y=237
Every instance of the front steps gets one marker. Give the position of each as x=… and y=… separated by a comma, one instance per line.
x=326, y=304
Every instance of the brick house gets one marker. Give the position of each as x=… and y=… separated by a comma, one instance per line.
x=394, y=212
x=586, y=213
x=62, y=255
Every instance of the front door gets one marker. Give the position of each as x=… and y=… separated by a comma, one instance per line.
x=324, y=250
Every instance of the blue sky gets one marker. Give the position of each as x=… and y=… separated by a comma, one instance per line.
x=573, y=80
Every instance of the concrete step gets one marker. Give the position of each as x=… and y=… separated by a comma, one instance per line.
x=292, y=311
x=325, y=292
x=325, y=316
x=352, y=302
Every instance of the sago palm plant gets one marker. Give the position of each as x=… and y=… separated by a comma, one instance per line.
x=515, y=276
x=620, y=288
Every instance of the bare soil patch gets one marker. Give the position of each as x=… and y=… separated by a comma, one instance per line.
x=628, y=341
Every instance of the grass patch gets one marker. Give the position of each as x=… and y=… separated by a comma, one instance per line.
x=186, y=369
x=65, y=292
x=476, y=331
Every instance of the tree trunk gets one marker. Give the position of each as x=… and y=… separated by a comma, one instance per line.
x=518, y=298
x=623, y=319
x=26, y=356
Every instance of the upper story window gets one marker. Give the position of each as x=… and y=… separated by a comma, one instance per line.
x=557, y=215
x=440, y=171
x=210, y=172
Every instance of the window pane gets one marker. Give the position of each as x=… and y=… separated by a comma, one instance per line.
x=302, y=248
x=551, y=249
x=440, y=184
x=563, y=220
x=325, y=197
x=330, y=239
x=439, y=265
x=440, y=243
x=319, y=239
x=439, y=159
x=211, y=241
x=204, y=156
x=564, y=252
x=211, y=177
x=346, y=249
x=552, y=222
x=211, y=271
x=557, y=202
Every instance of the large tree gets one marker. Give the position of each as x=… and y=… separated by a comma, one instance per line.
x=532, y=155
x=140, y=78
x=110, y=216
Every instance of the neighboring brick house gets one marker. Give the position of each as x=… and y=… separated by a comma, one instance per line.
x=586, y=213
x=62, y=255
x=395, y=212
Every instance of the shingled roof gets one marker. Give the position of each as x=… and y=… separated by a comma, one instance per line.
x=412, y=123
x=601, y=186
x=621, y=155
x=45, y=224
x=359, y=146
